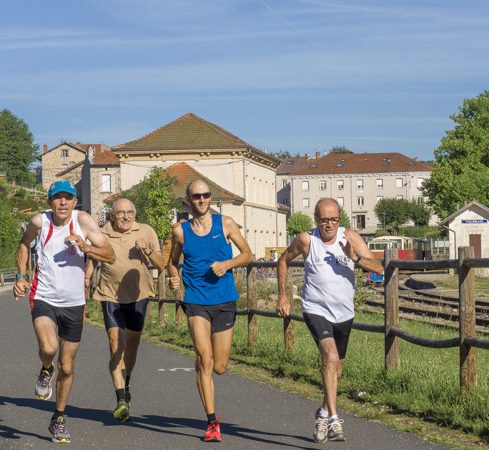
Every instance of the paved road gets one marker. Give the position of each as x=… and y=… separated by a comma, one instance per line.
x=166, y=411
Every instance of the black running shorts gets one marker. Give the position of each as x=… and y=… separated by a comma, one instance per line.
x=321, y=328
x=221, y=316
x=125, y=315
x=69, y=320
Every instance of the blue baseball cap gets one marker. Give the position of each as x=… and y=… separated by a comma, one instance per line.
x=61, y=186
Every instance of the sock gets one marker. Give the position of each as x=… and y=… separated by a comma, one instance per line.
x=121, y=395
x=323, y=412
x=50, y=369
x=128, y=378
x=211, y=418
x=333, y=418
x=57, y=414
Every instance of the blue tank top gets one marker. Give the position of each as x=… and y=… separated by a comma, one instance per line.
x=202, y=286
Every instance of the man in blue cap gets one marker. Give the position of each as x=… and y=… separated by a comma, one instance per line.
x=57, y=290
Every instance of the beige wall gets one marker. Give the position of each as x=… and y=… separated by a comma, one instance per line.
x=97, y=197
x=258, y=215
x=53, y=162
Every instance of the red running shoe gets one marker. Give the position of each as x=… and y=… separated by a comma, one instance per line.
x=213, y=433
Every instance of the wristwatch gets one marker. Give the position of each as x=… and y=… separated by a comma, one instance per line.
x=356, y=261
x=20, y=276
x=148, y=254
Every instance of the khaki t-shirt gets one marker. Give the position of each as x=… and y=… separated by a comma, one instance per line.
x=128, y=279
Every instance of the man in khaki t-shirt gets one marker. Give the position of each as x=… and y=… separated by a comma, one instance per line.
x=123, y=290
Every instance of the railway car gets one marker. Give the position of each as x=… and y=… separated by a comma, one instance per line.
x=408, y=248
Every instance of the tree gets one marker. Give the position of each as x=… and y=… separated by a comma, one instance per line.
x=9, y=234
x=282, y=154
x=299, y=222
x=154, y=201
x=339, y=149
x=17, y=148
x=419, y=213
x=344, y=219
x=461, y=167
x=392, y=213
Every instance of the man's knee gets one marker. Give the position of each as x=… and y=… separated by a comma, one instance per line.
x=219, y=368
x=65, y=368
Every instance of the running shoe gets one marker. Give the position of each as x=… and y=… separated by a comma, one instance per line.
x=321, y=429
x=43, y=389
x=59, y=434
x=121, y=411
x=213, y=433
x=335, y=430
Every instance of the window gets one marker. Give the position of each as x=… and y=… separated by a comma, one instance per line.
x=341, y=201
x=399, y=197
x=106, y=183
x=419, y=183
x=285, y=201
x=359, y=184
x=360, y=221
x=322, y=185
x=305, y=203
x=64, y=153
x=284, y=183
x=360, y=201
x=305, y=185
x=420, y=200
x=380, y=183
x=340, y=185
x=399, y=182
x=379, y=198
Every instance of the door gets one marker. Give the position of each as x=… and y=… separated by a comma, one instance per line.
x=475, y=241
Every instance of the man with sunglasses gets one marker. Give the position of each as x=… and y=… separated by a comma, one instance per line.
x=210, y=295
x=330, y=253
x=123, y=290
x=57, y=291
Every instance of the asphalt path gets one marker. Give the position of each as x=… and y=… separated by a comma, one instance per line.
x=166, y=412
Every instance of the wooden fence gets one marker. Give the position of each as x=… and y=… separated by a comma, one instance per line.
x=466, y=341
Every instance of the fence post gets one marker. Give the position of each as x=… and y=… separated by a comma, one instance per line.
x=178, y=307
x=289, y=327
x=161, y=296
x=391, y=310
x=466, y=283
x=251, y=303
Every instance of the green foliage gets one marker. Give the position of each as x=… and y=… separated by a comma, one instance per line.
x=9, y=234
x=422, y=232
x=392, y=213
x=299, y=222
x=154, y=201
x=339, y=149
x=17, y=148
x=461, y=167
x=419, y=213
x=344, y=219
x=282, y=154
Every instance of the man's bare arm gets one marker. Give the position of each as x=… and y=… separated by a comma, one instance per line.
x=99, y=248
x=175, y=253
x=357, y=250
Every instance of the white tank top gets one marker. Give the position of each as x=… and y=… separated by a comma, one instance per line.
x=329, y=282
x=59, y=278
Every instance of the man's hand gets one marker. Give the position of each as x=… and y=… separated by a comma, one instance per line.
x=142, y=245
x=348, y=248
x=174, y=282
x=283, y=306
x=78, y=241
x=219, y=268
x=20, y=288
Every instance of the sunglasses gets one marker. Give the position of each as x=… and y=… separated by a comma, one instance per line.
x=205, y=195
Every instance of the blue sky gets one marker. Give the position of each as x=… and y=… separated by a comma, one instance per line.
x=295, y=75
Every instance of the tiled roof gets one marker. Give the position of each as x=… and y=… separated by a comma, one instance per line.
x=289, y=165
x=349, y=163
x=74, y=146
x=187, y=132
x=104, y=156
x=184, y=174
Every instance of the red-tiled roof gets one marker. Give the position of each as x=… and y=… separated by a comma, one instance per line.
x=345, y=163
x=184, y=174
x=187, y=132
x=289, y=165
x=104, y=156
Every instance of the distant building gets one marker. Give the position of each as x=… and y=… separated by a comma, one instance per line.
x=356, y=180
x=243, y=176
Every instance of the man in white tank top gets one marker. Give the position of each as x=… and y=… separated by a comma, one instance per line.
x=330, y=253
x=57, y=291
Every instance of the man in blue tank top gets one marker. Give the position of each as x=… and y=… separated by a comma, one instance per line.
x=330, y=253
x=210, y=295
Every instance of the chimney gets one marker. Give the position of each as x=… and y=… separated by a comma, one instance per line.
x=45, y=148
x=318, y=154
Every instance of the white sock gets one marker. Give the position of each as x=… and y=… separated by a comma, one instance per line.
x=323, y=413
x=333, y=418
